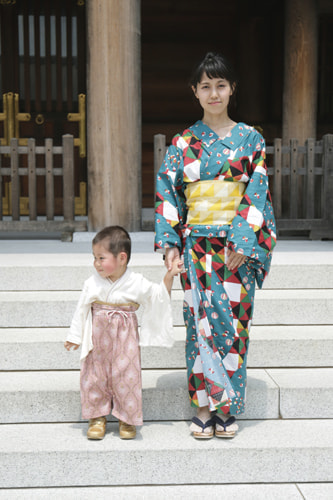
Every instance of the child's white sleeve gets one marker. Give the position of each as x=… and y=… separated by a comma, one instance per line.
x=76, y=329
x=156, y=321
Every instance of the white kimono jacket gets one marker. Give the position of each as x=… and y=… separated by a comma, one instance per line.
x=156, y=323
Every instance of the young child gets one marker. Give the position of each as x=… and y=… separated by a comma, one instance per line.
x=106, y=327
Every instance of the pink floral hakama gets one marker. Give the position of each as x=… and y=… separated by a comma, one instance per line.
x=111, y=373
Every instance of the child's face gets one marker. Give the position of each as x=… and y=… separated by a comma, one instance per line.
x=106, y=264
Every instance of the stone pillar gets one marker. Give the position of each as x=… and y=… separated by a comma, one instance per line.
x=114, y=113
x=300, y=70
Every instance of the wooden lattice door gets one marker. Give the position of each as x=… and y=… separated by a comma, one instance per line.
x=43, y=81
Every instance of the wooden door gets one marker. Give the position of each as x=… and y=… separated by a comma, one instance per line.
x=42, y=65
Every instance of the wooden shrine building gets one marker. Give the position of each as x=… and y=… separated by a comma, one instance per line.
x=113, y=73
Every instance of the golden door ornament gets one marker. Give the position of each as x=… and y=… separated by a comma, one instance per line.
x=12, y=117
x=81, y=118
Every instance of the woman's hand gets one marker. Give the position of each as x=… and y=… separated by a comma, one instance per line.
x=234, y=260
x=170, y=255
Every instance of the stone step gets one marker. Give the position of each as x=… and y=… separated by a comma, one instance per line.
x=54, y=396
x=293, y=491
x=272, y=307
x=66, y=272
x=52, y=308
x=304, y=393
x=270, y=346
x=43, y=275
x=267, y=451
x=55, y=265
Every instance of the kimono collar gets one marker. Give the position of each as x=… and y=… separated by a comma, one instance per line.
x=208, y=136
x=105, y=282
x=121, y=280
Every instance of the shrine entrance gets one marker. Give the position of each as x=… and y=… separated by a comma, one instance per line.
x=43, y=87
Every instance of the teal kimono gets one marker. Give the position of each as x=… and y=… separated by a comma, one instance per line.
x=198, y=211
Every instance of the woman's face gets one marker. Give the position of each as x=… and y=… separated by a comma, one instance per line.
x=213, y=94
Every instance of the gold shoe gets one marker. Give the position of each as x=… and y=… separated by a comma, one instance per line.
x=126, y=431
x=96, y=428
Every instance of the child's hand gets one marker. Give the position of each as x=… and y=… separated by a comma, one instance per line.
x=69, y=345
x=176, y=267
x=171, y=254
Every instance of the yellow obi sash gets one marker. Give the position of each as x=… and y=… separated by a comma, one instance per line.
x=213, y=202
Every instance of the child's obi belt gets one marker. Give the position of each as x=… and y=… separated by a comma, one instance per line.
x=213, y=202
x=112, y=311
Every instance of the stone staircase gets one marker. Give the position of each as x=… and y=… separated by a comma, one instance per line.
x=284, y=449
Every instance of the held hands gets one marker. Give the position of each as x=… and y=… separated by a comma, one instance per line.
x=173, y=262
x=176, y=267
x=69, y=345
x=234, y=260
x=171, y=256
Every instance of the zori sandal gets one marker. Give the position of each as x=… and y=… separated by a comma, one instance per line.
x=225, y=429
x=207, y=428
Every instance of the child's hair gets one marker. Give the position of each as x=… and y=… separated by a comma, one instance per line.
x=116, y=239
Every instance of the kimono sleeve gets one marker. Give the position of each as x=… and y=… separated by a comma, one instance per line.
x=80, y=318
x=156, y=320
x=170, y=208
x=252, y=231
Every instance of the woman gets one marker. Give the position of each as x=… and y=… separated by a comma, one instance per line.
x=213, y=207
